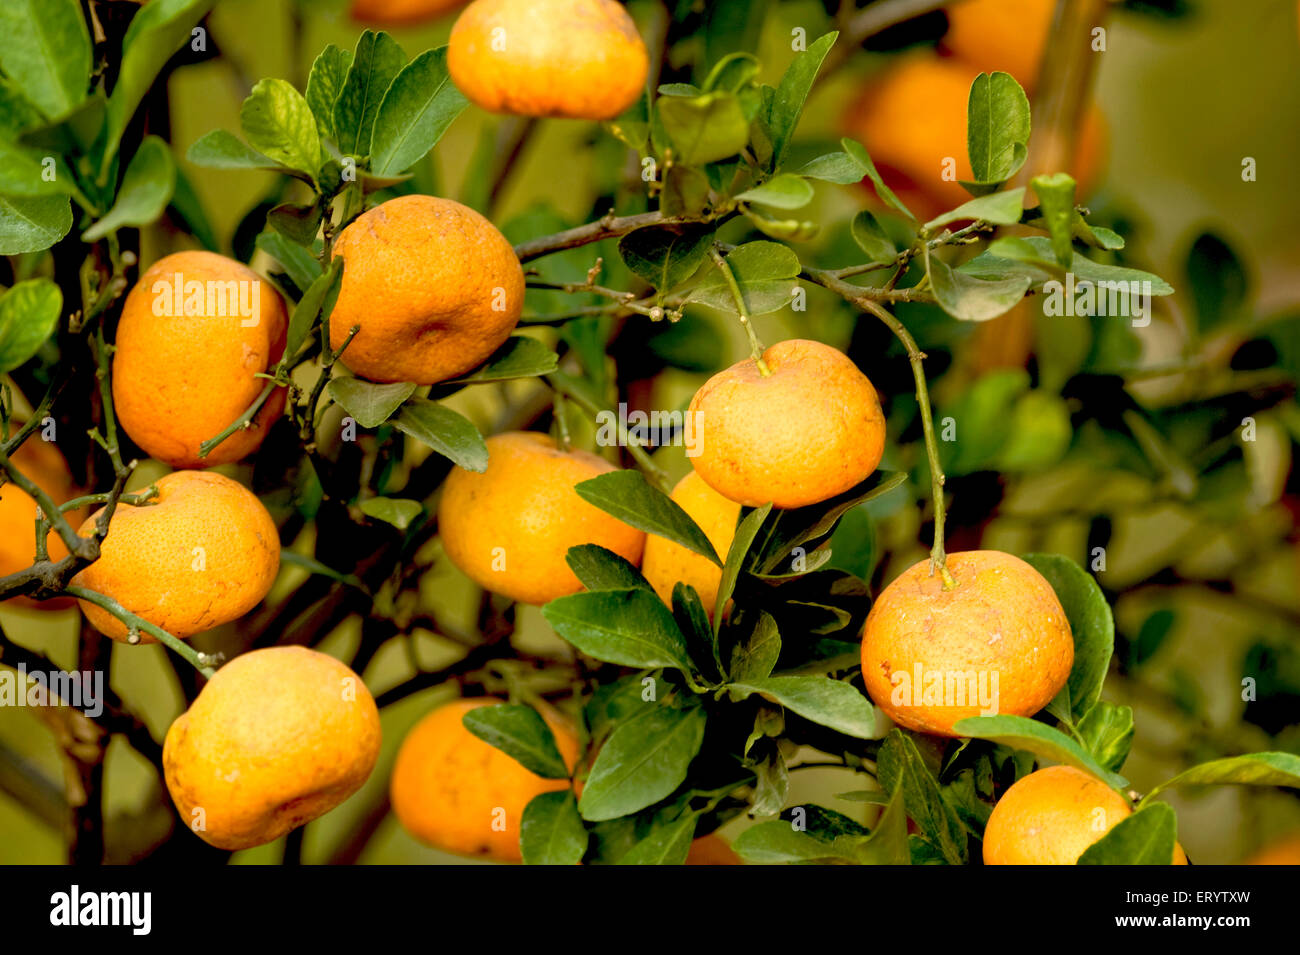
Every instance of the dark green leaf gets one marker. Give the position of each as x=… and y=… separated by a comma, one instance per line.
x=378, y=59
x=520, y=357
x=628, y=496
x=1107, y=732
x=297, y=223
x=693, y=621
x=822, y=700
x=145, y=191
x=871, y=238
x=766, y=273
x=629, y=627
x=736, y=555
x=316, y=302
x=1091, y=623
x=888, y=843
x=666, y=256
x=325, y=83
x=278, y=123
x=45, y=50
x=997, y=121
x=29, y=313
x=1022, y=733
x=552, y=832
x=33, y=224
x=643, y=760
x=779, y=842
x=297, y=263
x=392, y=510
x=899, y=765
x=752, y=661
x=792, y=93
x=520, y=733
x=450, y=434
x=369, y=403
x=1144, y=838
x=417, y=109
x=601, y=569
x=667, y=844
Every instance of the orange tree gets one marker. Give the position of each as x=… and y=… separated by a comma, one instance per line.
x=981, y=665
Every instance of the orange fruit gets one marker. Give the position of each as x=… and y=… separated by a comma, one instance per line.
x=912, y=120
x=1006, y=35
x=401, y=12
x=1051, y=816
x=434, y=287
x=811, y=429
x=509, y=528
x=203, y=552
x=275, y=739
x=1284, y=851
x=998, y=642
x=580, y=59
x=712, y=850
x=41, y=462
x=459, y=794
x=665, y=563
x=195, y=331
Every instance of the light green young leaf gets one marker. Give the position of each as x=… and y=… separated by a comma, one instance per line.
x=29, y=314
x=704, y=128
x=45, y=50
x=279, y=123
x=392, y=510
x=786, y=191
x=146, y=189
x=33, y=224
x=324, y=84
x=1056, y=204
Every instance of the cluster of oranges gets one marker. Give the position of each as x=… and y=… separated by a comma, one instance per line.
x=430, y=289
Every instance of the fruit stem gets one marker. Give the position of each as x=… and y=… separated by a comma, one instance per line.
x=755, y=346
x=206, y=447
x=139, y=623
x=938, y=558
x=656, y=475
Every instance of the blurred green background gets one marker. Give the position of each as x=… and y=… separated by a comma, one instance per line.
x=1185, y=99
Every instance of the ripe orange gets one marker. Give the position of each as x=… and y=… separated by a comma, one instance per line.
x=999, y=642
x=912, y=120
x=580, y=59
x=434, y=287
x=459, y=794
x=809, y=430
x=666, y=563
x=203, y=552
x=275, y=739
x=1051, y=816
x=195, y=331
x=712, y=850
x=509, y=528
x=401, y=12
x=1284, y=851
x=1006, y=35
x=40, y=461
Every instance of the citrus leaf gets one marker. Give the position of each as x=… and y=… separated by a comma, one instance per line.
x=520, y=733
x=416, y=110
x=644, y=759
x=1107, y=732
x=704, y=128
x=33, y=224
x=766, y=273
x=629, y=627
x=972, y=299
x=29, y=313
x=324, y=84
x=888, y=842
x=1145, y=838
x=377, y=60
x=369, y=403
x=839, y=168
x=146, y=189
x=820, y=699
x=885, y=194
x=551, y=832
x=871, y=238
x=736, y=557
x=1253, y=769
x=666, y=845
x=786, y=191
x=1020, y=732
x=392, y=510
x=997, y=121
x=223, y=150
x=900, y=766
x=45, y=50
x=999, y=208
x=753, y=661
x=666, y=256
x=519, y=357
x=792, y=93
x=450, y=434
x=317, y=301
x=627, y=495
x=278, y=123
x=602, y=569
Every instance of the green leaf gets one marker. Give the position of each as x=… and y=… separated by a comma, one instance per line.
x=146, y=189
x=626, y=495
x=278, y=122
x=520, y=733
x=888, y=843
x=786, y=230
x=899, y=766
x=736, y=556
x=325, y=83
x=521, y=356
x=822, y=700
x=753, y=661
x=602, y=569
x=766, y=273
x=317, y=301
x=369, y=403
x=779, y=842
x=156, y=32
x=998, y=208
x=786, y=191
x=1107, y=733
x=450, y=434
x=997, y=122
x=704, y=128
x=643, y=760
x=1056, y=203
x=417, y=109
x=29, y=313
x=1218, y=281
x=686, y=192
x=551, y=832
x=629, y=627
x=377, y=61
x=973, y=299
x=731, y=73
x=771, y=784
x=1253, y=769
x=666, y=256
x=839, y=168
x=17, y=112
x=298, y=263
x=1022, y=733
x=222, y=150
x=392, y=510
x=871, y=238
x=1091, y=622
x=883, y=192
x=45, y=49
x=297, y=223
x=693, y=621
x=23, y=172
x=33, y=224
x=1144, y=838
x=1036, y=252
x=666, y=845
x=792, y=93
